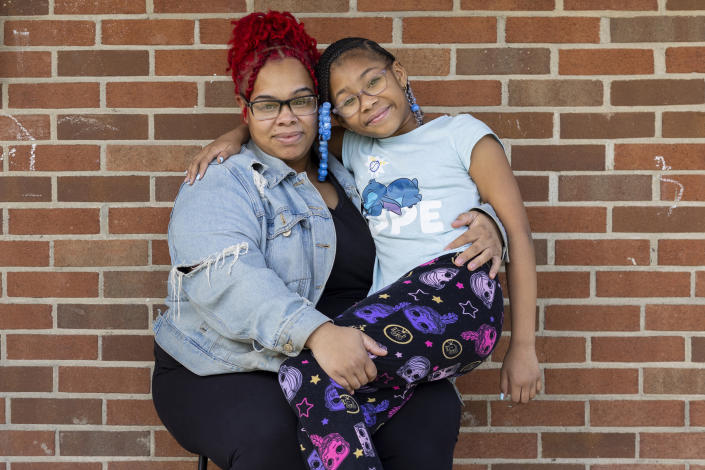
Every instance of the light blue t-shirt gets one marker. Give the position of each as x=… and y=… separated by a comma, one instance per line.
x=413, y=186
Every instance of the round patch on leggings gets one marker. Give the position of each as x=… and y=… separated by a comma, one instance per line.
x=398, y=334
x=452, y=348
x=350, y=403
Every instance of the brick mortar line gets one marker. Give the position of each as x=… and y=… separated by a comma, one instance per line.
x=62, y=427
x=650, y=46
x=3, y=346
x=4, y=289
x=153, y=188
x=492, y=429
x=8, y=411
x=540, y=269
x=82, y=395
x=87, y=204
x=356, y=13
x=663, y=204
x=502, y=30
x=693, y=283
x=495, y=429
x=98, y=31
x=105, y=459
x=552, y=334
x=553, y=185
x=151, y=126
x=87, y=237
x=577, y=462
x=542, y=397
x=689, y=349
x=166, y=174
x=553, y=301
x=85, y=363
x=190, y=110
x=551, y=76
x=605, y=31
x=397, y=31
x=82, y=332
x=197, y=32
x=5, y=94
x=152, y=61
x=114, y=301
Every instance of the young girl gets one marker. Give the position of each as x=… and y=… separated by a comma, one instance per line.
x=434, y=319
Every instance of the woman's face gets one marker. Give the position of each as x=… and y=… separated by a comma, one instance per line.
x=383, y=115
x=288, y=137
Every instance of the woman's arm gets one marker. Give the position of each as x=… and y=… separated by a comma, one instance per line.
x=491, y=172
x=229, y=144
x=215, y=241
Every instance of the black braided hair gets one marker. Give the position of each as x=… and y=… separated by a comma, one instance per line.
x=340, y=47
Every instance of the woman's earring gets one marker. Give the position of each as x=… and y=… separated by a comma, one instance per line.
x=324, y=131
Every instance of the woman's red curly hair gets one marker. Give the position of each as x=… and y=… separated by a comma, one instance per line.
x=259, y=36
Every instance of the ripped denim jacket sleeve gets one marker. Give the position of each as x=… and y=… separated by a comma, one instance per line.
x=221, y=270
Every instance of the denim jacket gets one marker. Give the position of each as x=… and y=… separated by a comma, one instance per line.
x=252, y=246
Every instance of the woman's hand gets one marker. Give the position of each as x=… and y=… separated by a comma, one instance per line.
x=520, y=376
x=342, y=353
x=221, y=148
x=485, y=238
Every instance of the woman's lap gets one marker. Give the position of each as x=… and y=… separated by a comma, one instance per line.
x=242, y=421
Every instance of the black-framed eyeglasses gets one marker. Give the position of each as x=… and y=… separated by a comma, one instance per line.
x=263, y=110
x=350, y=104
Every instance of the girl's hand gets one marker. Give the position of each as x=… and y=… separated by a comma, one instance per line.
x=221, y=148
x=342, y=352
x=520, y=376
x=485, y=238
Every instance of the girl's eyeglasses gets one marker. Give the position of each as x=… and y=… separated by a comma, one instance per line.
x=351, y=103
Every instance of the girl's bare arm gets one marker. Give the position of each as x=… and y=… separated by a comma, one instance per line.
x=491, y=172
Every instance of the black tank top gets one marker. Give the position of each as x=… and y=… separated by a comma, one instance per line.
x=351, y=277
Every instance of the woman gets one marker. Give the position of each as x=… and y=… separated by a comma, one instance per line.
x=257, y=277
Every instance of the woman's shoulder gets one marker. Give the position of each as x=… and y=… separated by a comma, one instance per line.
x=222, y=183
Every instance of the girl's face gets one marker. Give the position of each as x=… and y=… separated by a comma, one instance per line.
x=286, y=136
x=383, y=115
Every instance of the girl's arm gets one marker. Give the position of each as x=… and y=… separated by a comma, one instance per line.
x=229, y=144
x=489, y=168
x=221, y=148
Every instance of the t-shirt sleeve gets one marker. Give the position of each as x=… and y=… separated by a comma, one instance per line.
x=466, y=132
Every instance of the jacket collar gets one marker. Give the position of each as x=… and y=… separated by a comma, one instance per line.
x=275, y=170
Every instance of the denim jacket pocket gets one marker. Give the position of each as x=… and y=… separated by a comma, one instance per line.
x=288, y=238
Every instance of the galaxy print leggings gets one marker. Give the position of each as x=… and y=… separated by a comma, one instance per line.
x=437, y=321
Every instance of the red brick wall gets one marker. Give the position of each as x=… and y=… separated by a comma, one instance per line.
x=599, y=103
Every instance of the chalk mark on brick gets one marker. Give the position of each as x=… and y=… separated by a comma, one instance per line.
x=27, y=135
x=679, y=192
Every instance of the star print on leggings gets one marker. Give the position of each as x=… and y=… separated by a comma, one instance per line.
x=306, y=405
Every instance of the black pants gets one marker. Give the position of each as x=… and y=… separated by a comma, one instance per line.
x=436, y=321
x=243, y=422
